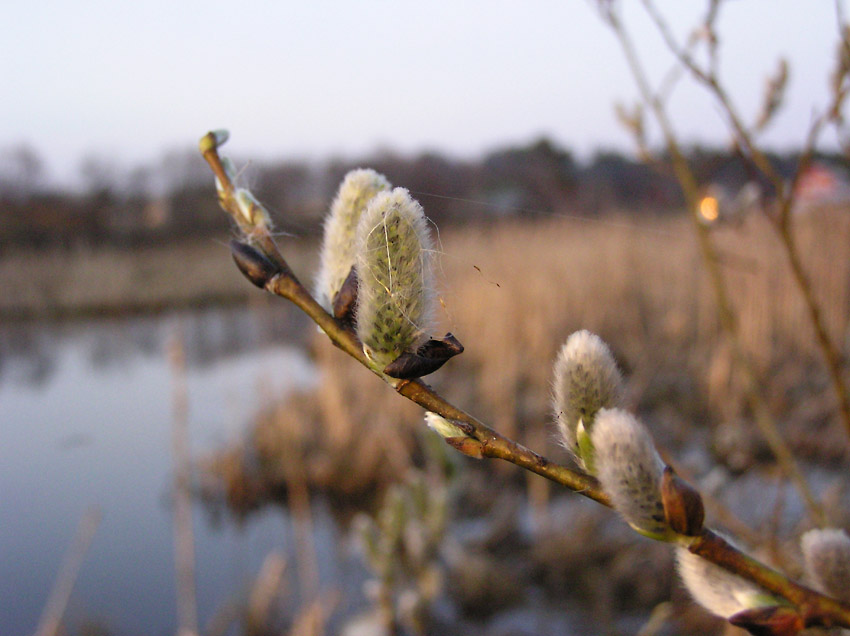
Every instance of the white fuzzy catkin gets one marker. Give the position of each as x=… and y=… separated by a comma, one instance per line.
x=720, y=592
x=629, y=469
x=586, y=379
x=827, y=558
x=395, y=299
x=338, y=245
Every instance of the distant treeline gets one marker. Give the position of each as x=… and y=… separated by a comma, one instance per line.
x=176, y=200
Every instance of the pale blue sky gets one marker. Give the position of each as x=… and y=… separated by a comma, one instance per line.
x=128, y=80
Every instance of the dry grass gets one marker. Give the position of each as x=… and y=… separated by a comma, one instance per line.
x=513, y=292
x=349, y=438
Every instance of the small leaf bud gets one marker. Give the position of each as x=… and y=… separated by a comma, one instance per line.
x=469, y=446
x=213, y=140
x=683, y=507
x=253, y=264
x=345, y=301
x=429, y=357
x=442, y=426
x=253, y=212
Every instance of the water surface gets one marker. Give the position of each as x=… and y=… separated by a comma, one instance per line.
x=85, y=419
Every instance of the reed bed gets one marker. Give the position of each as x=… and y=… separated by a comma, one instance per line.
x=513, y=291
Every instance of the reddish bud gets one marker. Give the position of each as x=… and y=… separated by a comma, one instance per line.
x=683, y=507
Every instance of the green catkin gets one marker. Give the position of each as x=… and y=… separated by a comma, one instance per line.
x=586, y=379
x=395, y=301
x=338, y=245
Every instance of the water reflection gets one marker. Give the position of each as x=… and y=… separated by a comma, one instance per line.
x=85, y=418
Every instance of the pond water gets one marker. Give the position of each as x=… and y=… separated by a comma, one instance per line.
x=86, y=417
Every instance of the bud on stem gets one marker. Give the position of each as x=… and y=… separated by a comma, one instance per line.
x=683, y=507
x=395, y=302
x=827, y=557
x=719, y=591
x=586, y=380
x=338, y=244
x=630, y=471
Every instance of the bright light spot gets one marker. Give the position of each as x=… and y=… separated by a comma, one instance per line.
x=708, y=209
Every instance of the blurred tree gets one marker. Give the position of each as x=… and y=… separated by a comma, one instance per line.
x=22, y=172
x=540, y=177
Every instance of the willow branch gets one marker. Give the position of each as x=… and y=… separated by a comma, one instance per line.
x=814, y=608
x=286, y=285
x=710, y=79
x=785, y=192
x=687, y=181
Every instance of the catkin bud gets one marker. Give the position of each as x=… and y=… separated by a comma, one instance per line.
x=683, y=507
x=586, y=380
x=253, y=212
x=443, y=427
x=213, y=139
x=338, y=254
x=630, y=471
x=719, y=591
x=827, y=558
x=394, y=304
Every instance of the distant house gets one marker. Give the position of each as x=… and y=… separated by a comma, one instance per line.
x=821, y=185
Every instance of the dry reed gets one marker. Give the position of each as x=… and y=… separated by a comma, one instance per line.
x=515, y=290
x=518, y=290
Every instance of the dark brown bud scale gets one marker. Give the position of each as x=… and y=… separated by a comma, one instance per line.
x=426, y=359
x=345, y=300
x=253, y=264
x=776, y=620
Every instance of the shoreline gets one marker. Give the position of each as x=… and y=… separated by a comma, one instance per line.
x=57, y=285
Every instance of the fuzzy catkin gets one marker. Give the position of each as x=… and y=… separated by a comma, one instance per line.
x=586, y=379
x=338, y=245
x=629, y=469
x=394, y=250
x=827, y=558
x=720, y=592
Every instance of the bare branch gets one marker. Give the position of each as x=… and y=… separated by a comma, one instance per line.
x=812, y=607
x=687, y=181
x=785, y=192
